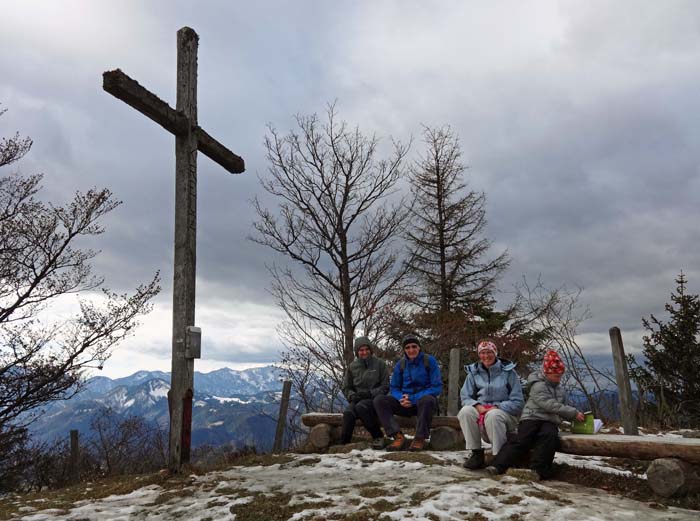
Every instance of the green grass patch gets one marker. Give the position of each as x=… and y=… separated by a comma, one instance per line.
x=512, y=500
x=419, y=457
x=418, y=497
x=547, y=496
x=272, y=507
x=261, y=460
x=372, y=492
x=364, y=514
x=65, y=498
x=308, y=462
x=169, y=495
x=383, y=506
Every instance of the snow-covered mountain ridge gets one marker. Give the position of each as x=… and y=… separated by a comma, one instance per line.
x=229, y=406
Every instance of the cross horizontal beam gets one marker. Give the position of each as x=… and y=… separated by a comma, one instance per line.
x=133, y=94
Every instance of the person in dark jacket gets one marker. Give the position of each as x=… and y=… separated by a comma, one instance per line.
x=538, y=427
x=492, y=400
x=365, y=378
x=415, y=385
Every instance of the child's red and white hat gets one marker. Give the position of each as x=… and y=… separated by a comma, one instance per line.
x=552, y=363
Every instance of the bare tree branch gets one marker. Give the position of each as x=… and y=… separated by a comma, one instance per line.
x=336, y=223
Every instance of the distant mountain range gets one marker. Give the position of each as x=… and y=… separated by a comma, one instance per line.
x=230, y=407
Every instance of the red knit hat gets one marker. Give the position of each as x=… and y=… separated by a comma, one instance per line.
x=553, y=363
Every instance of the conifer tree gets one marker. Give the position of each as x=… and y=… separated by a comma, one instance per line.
x=449, y=252
x=452, y=276
x=672, y=357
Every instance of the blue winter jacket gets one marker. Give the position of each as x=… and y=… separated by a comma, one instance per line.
x=416, y=381
x=498, y=385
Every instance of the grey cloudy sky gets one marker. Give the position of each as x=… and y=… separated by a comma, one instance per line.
x=580, y=121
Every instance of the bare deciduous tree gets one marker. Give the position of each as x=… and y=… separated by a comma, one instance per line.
x=127, y=445
x=560, y=322
x=13, y=149
x=336, y=223
x=42, y=361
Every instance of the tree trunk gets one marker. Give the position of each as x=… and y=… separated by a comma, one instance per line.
x=673, y=477
x=348, y=329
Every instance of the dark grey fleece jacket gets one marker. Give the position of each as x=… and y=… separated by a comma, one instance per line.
x=369, y=375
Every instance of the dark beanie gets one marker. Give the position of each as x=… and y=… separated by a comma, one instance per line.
x=362, y=341
x=410, y=339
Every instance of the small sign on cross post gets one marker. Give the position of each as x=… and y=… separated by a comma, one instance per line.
x=189, y=138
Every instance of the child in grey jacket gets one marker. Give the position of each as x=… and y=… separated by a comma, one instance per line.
x=538, y=427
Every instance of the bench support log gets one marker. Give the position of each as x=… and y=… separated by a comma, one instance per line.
x=670, y=477
x=635, y=447
x=321, y=435
x=446, y=438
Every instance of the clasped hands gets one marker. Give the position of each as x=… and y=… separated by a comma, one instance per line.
x=483, y=410
x=405, y=402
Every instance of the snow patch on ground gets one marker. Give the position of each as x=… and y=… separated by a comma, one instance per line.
x=376, y=482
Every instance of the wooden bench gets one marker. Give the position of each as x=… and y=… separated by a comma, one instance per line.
x=675, y=468
x=445, y=433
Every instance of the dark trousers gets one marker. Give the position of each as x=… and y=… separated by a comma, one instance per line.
x=364, y=410
x=387, y=406
x=541, y=436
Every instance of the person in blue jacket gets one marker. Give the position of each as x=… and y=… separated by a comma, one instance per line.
x=492, y=400
x=413, y=390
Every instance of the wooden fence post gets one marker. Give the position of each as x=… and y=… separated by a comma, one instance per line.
x=282, y=420
x=74, y=469
x=453, y=383
x=629, y=419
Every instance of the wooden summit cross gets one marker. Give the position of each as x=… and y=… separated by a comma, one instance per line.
x=189, y=138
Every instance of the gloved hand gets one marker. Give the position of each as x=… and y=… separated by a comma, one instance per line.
x=364, y=395
x=355, y=398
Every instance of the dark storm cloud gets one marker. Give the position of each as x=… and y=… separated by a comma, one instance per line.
x=579, y=121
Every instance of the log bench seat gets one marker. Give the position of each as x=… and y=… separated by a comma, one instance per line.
x=445, y=433
x=674, y=471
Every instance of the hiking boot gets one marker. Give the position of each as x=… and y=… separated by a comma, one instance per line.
x=399, y=442
x=476, y=460
x=417, y=444
x=377, y=444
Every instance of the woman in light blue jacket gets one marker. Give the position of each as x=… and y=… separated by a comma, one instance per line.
x=492, y=400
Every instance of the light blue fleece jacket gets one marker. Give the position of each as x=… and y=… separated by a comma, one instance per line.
x=498, y=385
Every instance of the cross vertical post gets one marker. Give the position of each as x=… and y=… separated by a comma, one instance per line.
x=182, y=373
x=189, y=138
